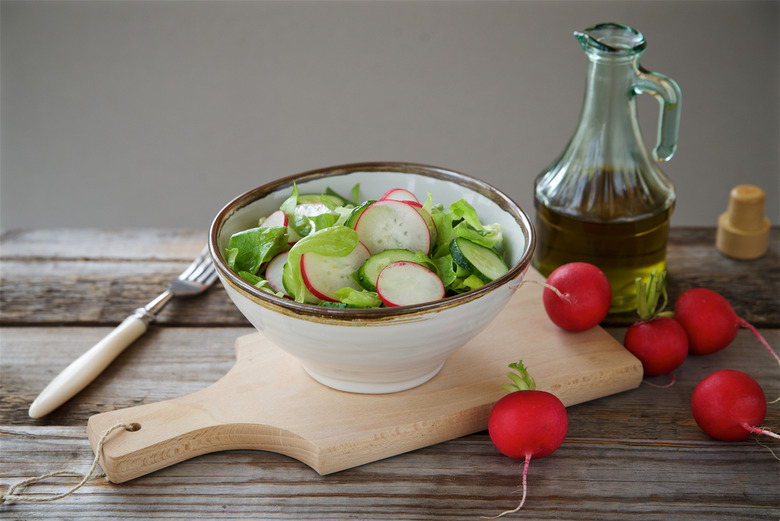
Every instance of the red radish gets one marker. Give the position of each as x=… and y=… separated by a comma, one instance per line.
x=729, y=405
x=710, y=322
x=527, y=423
x=276, y=218
x=400, y=194
x=580, y=296
x=658, y=341
x=660, y=344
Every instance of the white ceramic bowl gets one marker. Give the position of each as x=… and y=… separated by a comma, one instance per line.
x=378, y=350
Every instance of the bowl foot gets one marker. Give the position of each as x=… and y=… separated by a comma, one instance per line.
x=369, y=387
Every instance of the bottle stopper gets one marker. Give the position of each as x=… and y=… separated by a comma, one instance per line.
x=743, y=230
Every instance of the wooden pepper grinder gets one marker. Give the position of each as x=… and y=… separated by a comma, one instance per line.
x=743, y=230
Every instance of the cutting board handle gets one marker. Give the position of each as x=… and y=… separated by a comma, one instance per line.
x=206, y=421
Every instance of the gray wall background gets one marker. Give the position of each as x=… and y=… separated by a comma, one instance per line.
x=156, y=113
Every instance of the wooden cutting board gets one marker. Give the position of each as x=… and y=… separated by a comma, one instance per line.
x=268, y=402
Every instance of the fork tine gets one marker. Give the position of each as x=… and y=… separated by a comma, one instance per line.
x=204, y=271
x=194, y=265
x=199, y=270
x=211, y=276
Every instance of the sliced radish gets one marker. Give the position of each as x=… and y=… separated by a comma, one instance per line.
x=404, y=283
x=400, y=194
x=389, y=224
x=326, y=274
x=274, y=272
x=277, y=218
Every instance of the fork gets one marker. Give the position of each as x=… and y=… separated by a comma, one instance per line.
x=194, y=280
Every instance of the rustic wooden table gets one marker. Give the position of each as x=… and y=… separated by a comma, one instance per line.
x=637, y=455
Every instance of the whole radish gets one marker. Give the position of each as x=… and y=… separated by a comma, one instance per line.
x=729, y=405
x=527, y=423
x=658, y=341
x=710, y=322
x=577, y=296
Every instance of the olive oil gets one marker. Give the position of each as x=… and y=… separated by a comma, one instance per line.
x=623, y=250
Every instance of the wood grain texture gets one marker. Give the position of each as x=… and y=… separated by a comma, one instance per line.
x=633, y=456
x=98, y=277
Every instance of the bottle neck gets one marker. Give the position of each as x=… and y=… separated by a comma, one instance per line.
x=609, y=107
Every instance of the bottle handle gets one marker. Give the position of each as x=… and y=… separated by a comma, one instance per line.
x=668, y=94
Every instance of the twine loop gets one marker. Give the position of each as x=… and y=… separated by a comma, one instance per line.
x=11, y=496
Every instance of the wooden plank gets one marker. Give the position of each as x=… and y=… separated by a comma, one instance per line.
x=163, y=364
x=103, y=293
x=74, y=277
x=752, y=287
x=102, y=244
x=586, y=479
x=171, y=362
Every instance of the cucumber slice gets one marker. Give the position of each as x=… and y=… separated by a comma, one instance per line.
x=430, y=222
x=405, y=283
x=477, y=259
x=326, y=274
x=369, y=271
x=356, y=213
x=333, y=198
x=387, y=225
x=308, y=298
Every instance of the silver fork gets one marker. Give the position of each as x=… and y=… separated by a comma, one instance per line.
x=194, y=280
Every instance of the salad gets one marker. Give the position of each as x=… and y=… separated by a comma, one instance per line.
x=324, y=249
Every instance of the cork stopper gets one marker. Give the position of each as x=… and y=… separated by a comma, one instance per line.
x=743, y=230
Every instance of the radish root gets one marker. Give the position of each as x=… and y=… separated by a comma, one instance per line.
x=760, y=430
x=525, y=491
x=555, y=290
x=747, y=325
x=744, y=323
x=665, y=386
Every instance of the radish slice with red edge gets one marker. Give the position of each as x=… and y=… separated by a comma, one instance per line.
x=400, y=194
x=389, y=224
x=326, y=274
x=404, y=283
x=276, y=218
x=274, y=272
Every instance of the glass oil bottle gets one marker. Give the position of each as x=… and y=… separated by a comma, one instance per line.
x=603, y=200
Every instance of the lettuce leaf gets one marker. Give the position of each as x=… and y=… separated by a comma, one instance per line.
x=247, y=250
x=358, y=299
x=259, y=282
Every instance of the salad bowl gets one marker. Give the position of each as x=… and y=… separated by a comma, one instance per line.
x=382, y=349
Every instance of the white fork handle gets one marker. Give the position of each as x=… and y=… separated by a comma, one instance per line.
x=88, y=366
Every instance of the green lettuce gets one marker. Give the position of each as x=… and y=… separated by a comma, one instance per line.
x=249, y=249
x=358, y=299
